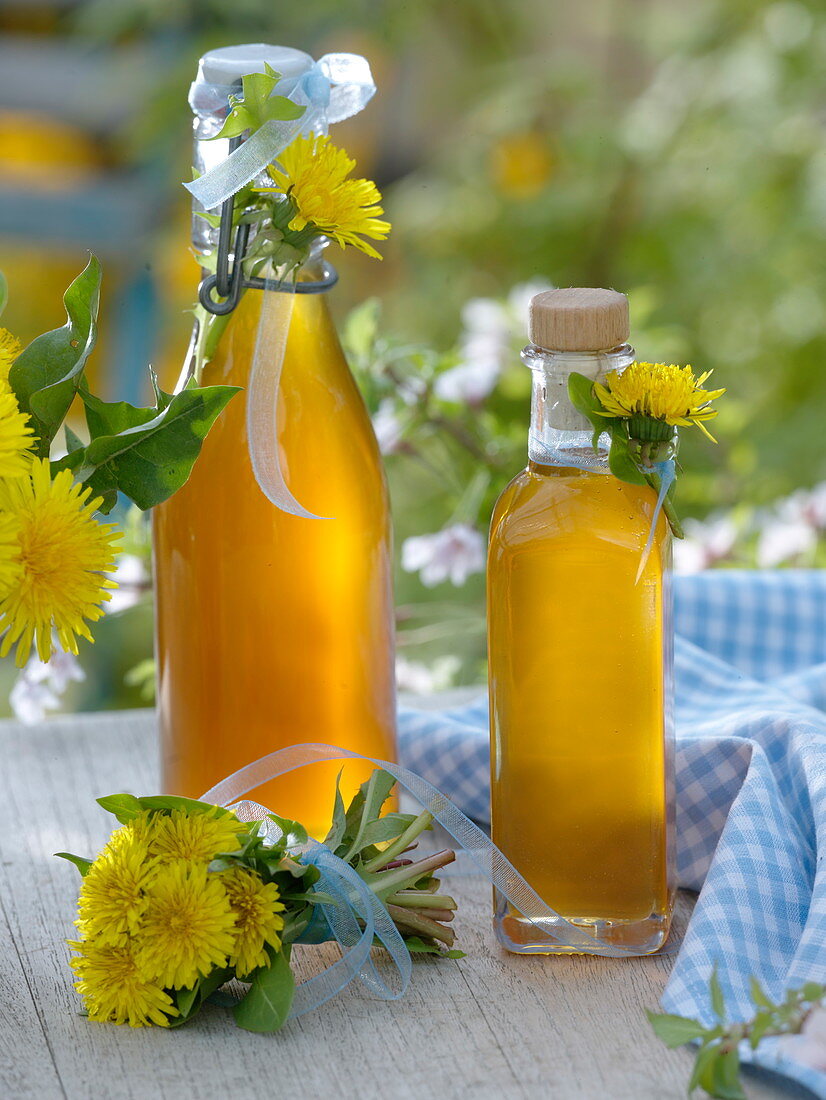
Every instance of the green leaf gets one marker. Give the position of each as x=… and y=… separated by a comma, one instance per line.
x=4, y=292
x=586, y=402
x=294, y=832
x=757, y=994
x=386, y=828
x=257, y=105
x=189, y=1001
x=338, y=828
x=675, y=1030
x=726, y=1076
x=813, y=991
x=82, y=864
x=211, y=219
x=718, y=1003
x=620, y=460
x=374, y=793
x=147, y=454
x=761, y=1023
x=313, y=897
x=361, y=328
x=73, y=441
x=47, y=373
x=703, y=1072
x=417, y=946
x=266, y=1006
x=124, y=807
x=178, y=802
x=161, y=399
x=185, y=1000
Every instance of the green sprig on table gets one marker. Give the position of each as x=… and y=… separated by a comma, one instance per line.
x=717, y=1062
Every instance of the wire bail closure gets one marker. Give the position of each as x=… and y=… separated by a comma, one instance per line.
x=228, y=282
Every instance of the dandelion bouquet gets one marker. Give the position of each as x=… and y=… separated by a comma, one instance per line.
x=186, y=897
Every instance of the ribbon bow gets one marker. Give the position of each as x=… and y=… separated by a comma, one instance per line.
x=335, y=87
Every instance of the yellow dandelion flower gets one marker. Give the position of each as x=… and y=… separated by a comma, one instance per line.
x=16, y=437
x=187, y=928
x=10, y=348
x=256, y=908
x=659, y=391
x=63, y=552
x=113, y=988
x=10, y=567
x=313, y=173
x=112, y=899
x=198, y=837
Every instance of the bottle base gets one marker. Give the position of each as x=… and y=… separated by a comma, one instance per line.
x=522, y=936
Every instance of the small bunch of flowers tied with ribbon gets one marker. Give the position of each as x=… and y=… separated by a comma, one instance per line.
x=640, y=409
x=186, y=896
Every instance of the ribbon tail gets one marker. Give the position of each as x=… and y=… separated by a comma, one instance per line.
x=262, y=401
x=357, y=918
x=666, y=471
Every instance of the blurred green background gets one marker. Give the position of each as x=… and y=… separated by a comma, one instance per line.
x=674, y=151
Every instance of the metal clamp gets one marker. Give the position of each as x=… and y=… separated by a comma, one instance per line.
x=228, y=283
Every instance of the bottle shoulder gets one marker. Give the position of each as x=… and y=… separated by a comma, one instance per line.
x=563, y=504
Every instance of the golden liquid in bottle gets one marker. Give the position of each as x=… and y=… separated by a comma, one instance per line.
x=274, y=630
x=580, y=703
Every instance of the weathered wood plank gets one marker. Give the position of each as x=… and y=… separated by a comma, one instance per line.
x=491, y=1025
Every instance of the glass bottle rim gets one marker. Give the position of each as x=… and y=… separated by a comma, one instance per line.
x=544, y=359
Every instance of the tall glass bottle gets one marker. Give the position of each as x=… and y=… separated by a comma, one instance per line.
x=580, y=659
x=273, y=629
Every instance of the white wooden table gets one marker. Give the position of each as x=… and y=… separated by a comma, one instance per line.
x=489, y=1025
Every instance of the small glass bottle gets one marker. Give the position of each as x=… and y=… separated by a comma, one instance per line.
x=580, y=659
x=274, y=629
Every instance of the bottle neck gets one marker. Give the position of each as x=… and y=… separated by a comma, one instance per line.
x=559, y=434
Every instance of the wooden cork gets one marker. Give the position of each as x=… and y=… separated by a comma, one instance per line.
x=579, y=319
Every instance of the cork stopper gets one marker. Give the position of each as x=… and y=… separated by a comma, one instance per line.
x=579, y=319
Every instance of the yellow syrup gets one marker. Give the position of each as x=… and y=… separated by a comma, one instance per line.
x=580, y=702
x=274, y=630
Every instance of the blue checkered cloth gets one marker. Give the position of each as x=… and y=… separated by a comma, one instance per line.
x=750, y=662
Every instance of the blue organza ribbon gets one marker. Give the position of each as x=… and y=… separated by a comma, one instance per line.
x=357, y=917
x=666, y=471
x=336, y=87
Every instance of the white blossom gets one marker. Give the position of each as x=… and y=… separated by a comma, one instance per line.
x=40, y=685
x=705, y=544
x=132, y=579
x=490, y=329
x=483, y=348
x=789, y=532
x=422, y=679
x=519, y=303
x=451, y=554
x=809, y=1048
x=470, y=382
x=387, y=427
